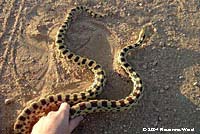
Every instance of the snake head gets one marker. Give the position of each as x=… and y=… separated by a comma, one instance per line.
x=146, y=32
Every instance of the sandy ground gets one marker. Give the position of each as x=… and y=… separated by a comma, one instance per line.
x=169, y=64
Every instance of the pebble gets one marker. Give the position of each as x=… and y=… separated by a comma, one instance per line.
x=195, y=83
x=159, y=118
x=162, y=44
x=166, y=87
x=157, y=109
x=8, y=101
x=155, y=63
x=140, y=4
x=155, y=124
x=34, y=92
x=125, y=131
x=162, y=91
x=144, y=66
x=181, y=77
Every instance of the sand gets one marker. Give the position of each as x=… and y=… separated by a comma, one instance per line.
x=169, y=64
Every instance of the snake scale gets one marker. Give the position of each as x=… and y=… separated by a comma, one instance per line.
x=80, y=102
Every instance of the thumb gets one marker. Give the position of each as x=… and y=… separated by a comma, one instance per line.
x=74, y=123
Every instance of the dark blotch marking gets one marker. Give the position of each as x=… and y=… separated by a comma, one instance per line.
x=90, y=63
x=82, y=106
x=64, y=26
x=22, y=118
x=59, y=35
x=61, y=47
x=94, y=103
x=113, y=104
x=51, y=99
x=130, y=47
x=95, y=15
x=35, y=106
x=97, y=67
x=104, y=103
x=77, y=58
x=122, y=103
x=137, y=95
x=61, y=30
x=125, y=49
x=59, y=97
x=95, y=86
x=100, y=80
x=70, y=18
x=59, y=41
x=122, y=54
x=91, y=93
x=66, y=22
x=122, y=59
x=83, y=96
x=78, y=7
x=131, y=70
x=130, y=100
x=67, y=98
x=89, y=108
x=28, y=112
x=140, y=81
x=100, y=73
x=75, y=97
x=126, y=65
x=98, y=88
x=43, y=101
x=84, y=61
x=73, y=10
x=70, y=56
x=137, y=75
x=138, y=88
x=65, y=51
x=18, y=126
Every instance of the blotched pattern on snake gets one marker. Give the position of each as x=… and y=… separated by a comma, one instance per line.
x=80, y=102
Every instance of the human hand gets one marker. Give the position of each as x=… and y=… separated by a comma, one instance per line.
x=56, y=122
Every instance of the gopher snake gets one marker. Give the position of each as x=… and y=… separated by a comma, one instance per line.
x=80, y=103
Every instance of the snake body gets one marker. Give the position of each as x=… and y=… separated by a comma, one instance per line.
x=80, y=102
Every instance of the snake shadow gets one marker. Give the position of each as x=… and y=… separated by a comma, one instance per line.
x=163, y=104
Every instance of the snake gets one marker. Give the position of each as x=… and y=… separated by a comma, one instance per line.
x=84, y=102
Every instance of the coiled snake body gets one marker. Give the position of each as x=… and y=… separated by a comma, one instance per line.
x=80, y=103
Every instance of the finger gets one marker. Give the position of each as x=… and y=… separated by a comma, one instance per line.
x=74, y=123
x=64, y=107
x=38, y=125
x=51, y=114
x=63, y=113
